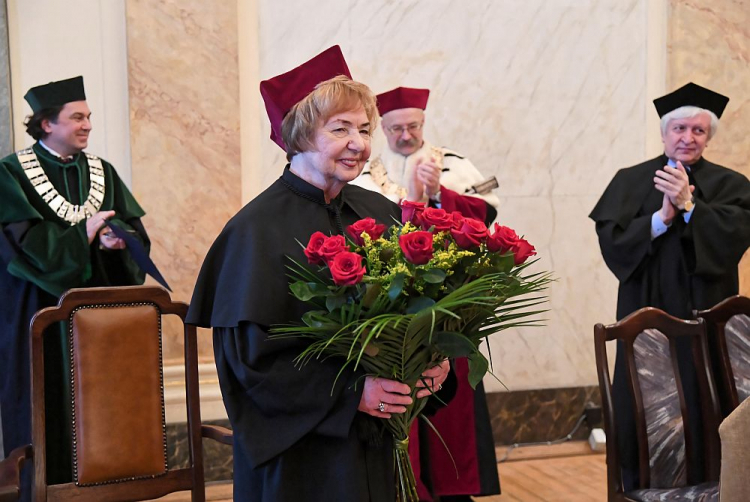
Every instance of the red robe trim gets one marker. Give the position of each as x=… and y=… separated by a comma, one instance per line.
x=455, y=423
x=472, y=207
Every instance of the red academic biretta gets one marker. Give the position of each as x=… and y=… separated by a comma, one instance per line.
x=402, y=97
x=282, y=92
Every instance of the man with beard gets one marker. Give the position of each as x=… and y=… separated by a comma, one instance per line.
x=413, y=169
x=673, y=230
x=57, y=202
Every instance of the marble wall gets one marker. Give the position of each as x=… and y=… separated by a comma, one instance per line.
x=550, y=97
x=538, y=415
x=709, y=44
x=547, y=96
x=6, y=132
x=184, y=119
x=6, y=113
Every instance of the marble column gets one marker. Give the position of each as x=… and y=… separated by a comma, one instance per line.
x=709, y=44
x=6, y=115
x=6, y=111
x=184, y=117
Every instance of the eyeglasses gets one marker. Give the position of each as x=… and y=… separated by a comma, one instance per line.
x=399, y=129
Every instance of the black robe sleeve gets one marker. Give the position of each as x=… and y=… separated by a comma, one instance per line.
x=624, y=249
x=278, y=401
x=623, y=218
x=718, y=233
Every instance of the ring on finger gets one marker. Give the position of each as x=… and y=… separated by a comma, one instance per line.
x=381, y=407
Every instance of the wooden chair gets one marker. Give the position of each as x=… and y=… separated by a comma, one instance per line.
x=10, y=470
x=650, y=341
x=728, y=326
x=118, y=424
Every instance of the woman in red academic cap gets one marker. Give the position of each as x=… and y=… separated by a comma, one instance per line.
x=294, y=437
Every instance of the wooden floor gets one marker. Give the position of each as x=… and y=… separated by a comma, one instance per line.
x=580, y=479
x=559, y=473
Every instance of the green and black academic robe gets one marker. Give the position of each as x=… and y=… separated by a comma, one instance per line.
x=43, y=256
x=296, y=436
x=692, y=266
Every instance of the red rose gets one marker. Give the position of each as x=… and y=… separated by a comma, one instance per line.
x=439, y=218
x=458, y=219
x=368, y=226
x=417, y=246
x=312, y=251
x=471, y=233
x=502, y=239
x=332, y=246
x=522, y=250
x=346, y=268
x=412, y=211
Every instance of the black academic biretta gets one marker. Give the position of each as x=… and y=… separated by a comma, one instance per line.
x=55, y=94
x=691, y=95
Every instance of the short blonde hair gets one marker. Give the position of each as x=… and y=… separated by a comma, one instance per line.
x=329, y=97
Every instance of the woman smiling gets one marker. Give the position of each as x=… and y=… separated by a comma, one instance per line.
x=297, y=436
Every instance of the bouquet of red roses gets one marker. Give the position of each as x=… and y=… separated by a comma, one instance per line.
x=397, y=303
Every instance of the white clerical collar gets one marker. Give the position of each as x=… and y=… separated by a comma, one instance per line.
x=50, y=150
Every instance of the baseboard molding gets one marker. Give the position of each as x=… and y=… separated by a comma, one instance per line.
x=217, y=458
x=530, y=416
x=212, y=405
x=573, y=448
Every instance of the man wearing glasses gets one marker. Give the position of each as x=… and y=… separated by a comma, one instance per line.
x=413, y=169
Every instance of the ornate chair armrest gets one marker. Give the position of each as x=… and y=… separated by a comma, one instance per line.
x=10, y=473
x=217, y=433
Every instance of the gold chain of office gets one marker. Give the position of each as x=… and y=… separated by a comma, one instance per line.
x=72, y=213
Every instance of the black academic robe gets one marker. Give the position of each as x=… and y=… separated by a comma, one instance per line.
x=691, y=266
x=41, y=255
x=296, y=435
